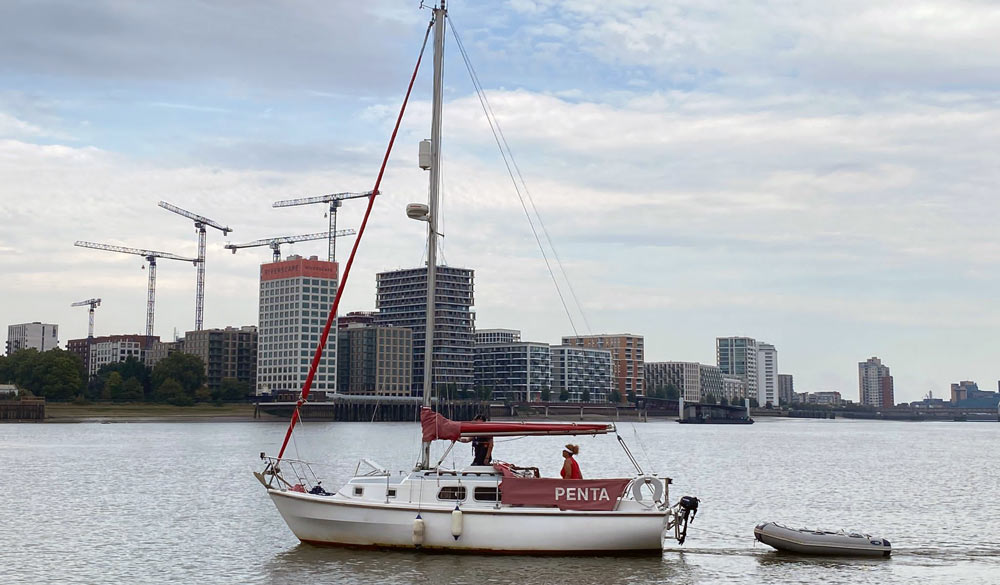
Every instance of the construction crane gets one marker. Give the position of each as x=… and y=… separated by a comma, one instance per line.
x=94, y=303
x=150, y=256
x=275, y=243
x=334, y=199
x=199, y=224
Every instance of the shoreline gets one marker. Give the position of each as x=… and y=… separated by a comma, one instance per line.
x=146, y=413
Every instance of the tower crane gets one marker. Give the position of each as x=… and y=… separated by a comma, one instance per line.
x=94, y=303
x=334, y=199
x=199, y=223
x=275, y=243
x=150, y=256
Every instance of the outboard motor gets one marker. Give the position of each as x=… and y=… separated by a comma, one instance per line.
x=687, y=510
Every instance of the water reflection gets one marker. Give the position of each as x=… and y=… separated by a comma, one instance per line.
x=776, y=559
x=298, y=564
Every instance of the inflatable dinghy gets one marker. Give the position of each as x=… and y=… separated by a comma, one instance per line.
x=821, y=542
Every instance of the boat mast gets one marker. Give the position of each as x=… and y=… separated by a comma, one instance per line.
x=432, y=230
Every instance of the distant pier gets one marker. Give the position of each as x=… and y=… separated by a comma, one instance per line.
x=24, y=410
x=344, y=408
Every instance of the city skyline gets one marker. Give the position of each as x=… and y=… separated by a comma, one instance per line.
x=719, y=174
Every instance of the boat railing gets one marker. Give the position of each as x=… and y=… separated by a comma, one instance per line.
x=288, y=474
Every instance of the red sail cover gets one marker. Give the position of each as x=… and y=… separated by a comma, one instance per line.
x=435, y=426
x=566, y=494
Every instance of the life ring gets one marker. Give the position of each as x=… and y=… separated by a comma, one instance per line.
x=654, y=482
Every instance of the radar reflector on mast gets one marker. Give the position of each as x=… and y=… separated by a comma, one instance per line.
x=424, y=155
x=418, y=211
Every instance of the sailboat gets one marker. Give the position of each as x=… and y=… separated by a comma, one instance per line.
x=498, y=508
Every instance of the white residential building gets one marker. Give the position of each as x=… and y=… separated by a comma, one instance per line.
x=767, y=374
x=517, y=371
x=627, y=358
x=112, y=351
x=36, y=335
x=576, y=369
x=295, y=299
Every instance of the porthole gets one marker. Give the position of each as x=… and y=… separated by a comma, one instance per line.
x=486, y=494
x=452, y=492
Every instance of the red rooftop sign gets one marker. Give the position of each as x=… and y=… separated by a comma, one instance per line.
x=298, y=267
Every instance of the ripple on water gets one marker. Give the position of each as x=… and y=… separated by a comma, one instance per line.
x=176, y=503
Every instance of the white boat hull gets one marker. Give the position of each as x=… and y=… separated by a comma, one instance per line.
x=339, y=521
x=818, y=542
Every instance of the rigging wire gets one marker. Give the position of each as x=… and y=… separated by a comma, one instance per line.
x=331, y=317
x=498, y=135
x=501, y=143
x=642, y=445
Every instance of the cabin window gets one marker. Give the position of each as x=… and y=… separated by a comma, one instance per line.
x=359, y=491
x=391, y=493
x=486, y=494
x=452, y=492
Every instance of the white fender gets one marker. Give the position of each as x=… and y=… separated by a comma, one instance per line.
x=418, y=530
x=653, y=482
x=456, y=523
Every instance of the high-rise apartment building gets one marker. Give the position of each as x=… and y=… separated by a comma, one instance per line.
x=227, y=353
x=627, y=359
x=737, y=356
x=375, y=360
x=295, y=299
x=786, y=389
x=767, y=374
x=401, y=300
x=579, y=369
x=517, y=371
x=875, y=383
x=35, y=335
x=110, y=349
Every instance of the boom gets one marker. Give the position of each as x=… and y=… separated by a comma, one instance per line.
x=200, y=222
x=197, y=218
x=150, y=256
x=275, y=243
x=334, y=199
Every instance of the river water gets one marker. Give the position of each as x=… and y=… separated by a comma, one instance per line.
x=176, y=503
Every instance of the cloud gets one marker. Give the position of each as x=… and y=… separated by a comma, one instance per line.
x=854, y=43
x=253, y=45
x=703, y=168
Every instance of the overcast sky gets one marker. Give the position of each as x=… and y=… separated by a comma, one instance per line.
x=822, y=176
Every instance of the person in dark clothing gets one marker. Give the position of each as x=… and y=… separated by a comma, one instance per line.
x=482, y=447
